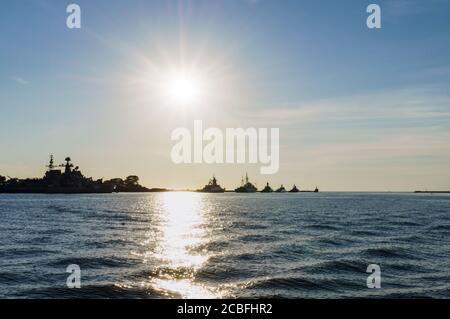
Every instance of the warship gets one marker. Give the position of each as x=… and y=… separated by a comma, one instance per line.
x=316, y=190
x=246, y=187
x=294, y=190
x=267, y=189
x=432, y=192
x=212, y=187
x=281, y=190
x=56, y=181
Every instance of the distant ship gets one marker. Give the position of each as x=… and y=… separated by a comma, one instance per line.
x=281, y=190
x=267, y=189
x=246, y=187
x=212, y=187
x=71, y=181
x=432, y=192
x=316, y=190
x=294, y=190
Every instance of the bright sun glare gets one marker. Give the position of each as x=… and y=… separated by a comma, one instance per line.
x=184, y=88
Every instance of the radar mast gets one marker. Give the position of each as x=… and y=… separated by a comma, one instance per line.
x=50, y=165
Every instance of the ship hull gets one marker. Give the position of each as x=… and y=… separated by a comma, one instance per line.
x=245, y=191
x=211, y=192
x=57, y=190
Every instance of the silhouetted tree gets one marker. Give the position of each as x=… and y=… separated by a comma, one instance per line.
x=132, y=180
x=115, y=182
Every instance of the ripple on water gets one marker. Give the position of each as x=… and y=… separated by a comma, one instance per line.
x=94, y=262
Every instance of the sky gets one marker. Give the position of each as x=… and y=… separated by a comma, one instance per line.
x=358, y=109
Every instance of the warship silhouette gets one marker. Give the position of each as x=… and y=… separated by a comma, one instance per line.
x=70, y=180
x=212, y=187
x=67, y=179
x=246, y=187
x=267, y=189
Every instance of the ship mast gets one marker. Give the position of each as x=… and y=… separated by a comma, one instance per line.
x=50, y=165
x=68, y=165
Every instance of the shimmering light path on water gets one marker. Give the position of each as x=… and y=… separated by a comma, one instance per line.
x=190, y=245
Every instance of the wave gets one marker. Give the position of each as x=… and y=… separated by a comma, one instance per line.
x=25, y=252
x=12, y=277
x=66, y=209
x=334, y=241
x=297, y=283
x=93, y=262
x=259, y=238
x=407, y=267
x=301, y=283
x=321, y=227
x=361, y=232
x=56, y=231
x=333, y=266
x=405, y=223
x=110, y=291
x=107, y=243
x=290, y=252
x=391, y=252
x=218, y=245
x=229, y=274
x=444, y=228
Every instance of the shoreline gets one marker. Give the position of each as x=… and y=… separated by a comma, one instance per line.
x=157, y=190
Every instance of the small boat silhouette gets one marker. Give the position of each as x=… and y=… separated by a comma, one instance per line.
x=267, y=189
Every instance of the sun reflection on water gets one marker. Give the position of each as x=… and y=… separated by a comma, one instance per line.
x=182, y=220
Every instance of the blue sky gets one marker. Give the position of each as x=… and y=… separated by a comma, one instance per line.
x=357, y=108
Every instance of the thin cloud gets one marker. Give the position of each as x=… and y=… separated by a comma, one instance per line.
x=400, y=105
x=401, y=146
x=20, y=80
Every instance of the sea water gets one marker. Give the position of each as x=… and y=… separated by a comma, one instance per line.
x=191, y=245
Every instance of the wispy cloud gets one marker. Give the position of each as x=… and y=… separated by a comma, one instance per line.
x=400, y=146
x=20, y=80
x=402, y=105
x=253, y=1
x=409, y=126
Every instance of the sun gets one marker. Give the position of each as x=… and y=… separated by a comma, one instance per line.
x=184, y=88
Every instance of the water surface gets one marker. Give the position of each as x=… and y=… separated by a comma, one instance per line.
x=189, y=245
